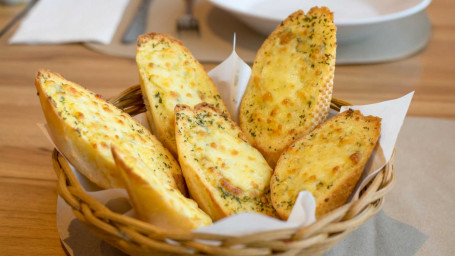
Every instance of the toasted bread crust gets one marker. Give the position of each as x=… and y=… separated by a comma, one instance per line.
x=84, y=126
x=170, y=75
x=290, y=87
x=156, y=202
x=63, y=136
x=327, y=162
x=224, y=174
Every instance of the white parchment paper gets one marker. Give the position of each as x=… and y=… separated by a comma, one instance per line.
x=231, y=76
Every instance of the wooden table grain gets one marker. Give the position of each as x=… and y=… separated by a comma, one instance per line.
x=27, y=181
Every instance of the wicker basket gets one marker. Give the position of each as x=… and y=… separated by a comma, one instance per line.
x=135, y=237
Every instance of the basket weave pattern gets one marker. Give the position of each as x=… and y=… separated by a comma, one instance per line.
x=136, y=237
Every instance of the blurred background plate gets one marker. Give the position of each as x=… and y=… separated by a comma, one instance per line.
x=355, y=19
x=392, y=39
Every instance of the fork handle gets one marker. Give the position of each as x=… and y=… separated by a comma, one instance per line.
x=189, y=7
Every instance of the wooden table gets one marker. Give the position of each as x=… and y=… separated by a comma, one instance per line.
x=27, y=180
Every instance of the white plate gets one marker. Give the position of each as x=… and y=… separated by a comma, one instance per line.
x=392, y=40
x=355, y=19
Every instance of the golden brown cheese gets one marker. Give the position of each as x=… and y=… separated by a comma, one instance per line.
x=327, y=162
x=84, y=126
x=290, y=87
x=154, y=201
x=224, y=174
x=170, y=75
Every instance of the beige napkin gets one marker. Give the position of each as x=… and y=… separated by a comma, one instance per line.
x=67, y=21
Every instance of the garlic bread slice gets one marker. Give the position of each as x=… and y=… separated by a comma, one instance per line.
x=327, y=162
x=84, y=126
x=170, y=75
x=154, y=201
x=290, y=87
x=224, y=174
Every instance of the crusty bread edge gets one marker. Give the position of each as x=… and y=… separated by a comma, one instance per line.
x=152, y=117
x=91, y=165
x=272, y=156
x=145, y=38
x=197, y=186
x=65, y=139
x=137, y=187
x=343, y=191
x=349, y=182
x=197, y=182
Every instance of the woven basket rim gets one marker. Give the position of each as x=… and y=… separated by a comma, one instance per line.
x=137, y=237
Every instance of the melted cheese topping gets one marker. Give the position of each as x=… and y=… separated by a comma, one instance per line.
x=100, y=124
x=235, y=171
x=232, y=157
x=172, y=76
x=290, y=88
x=320, y=161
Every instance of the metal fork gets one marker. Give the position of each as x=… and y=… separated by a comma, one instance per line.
x=188, y=21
